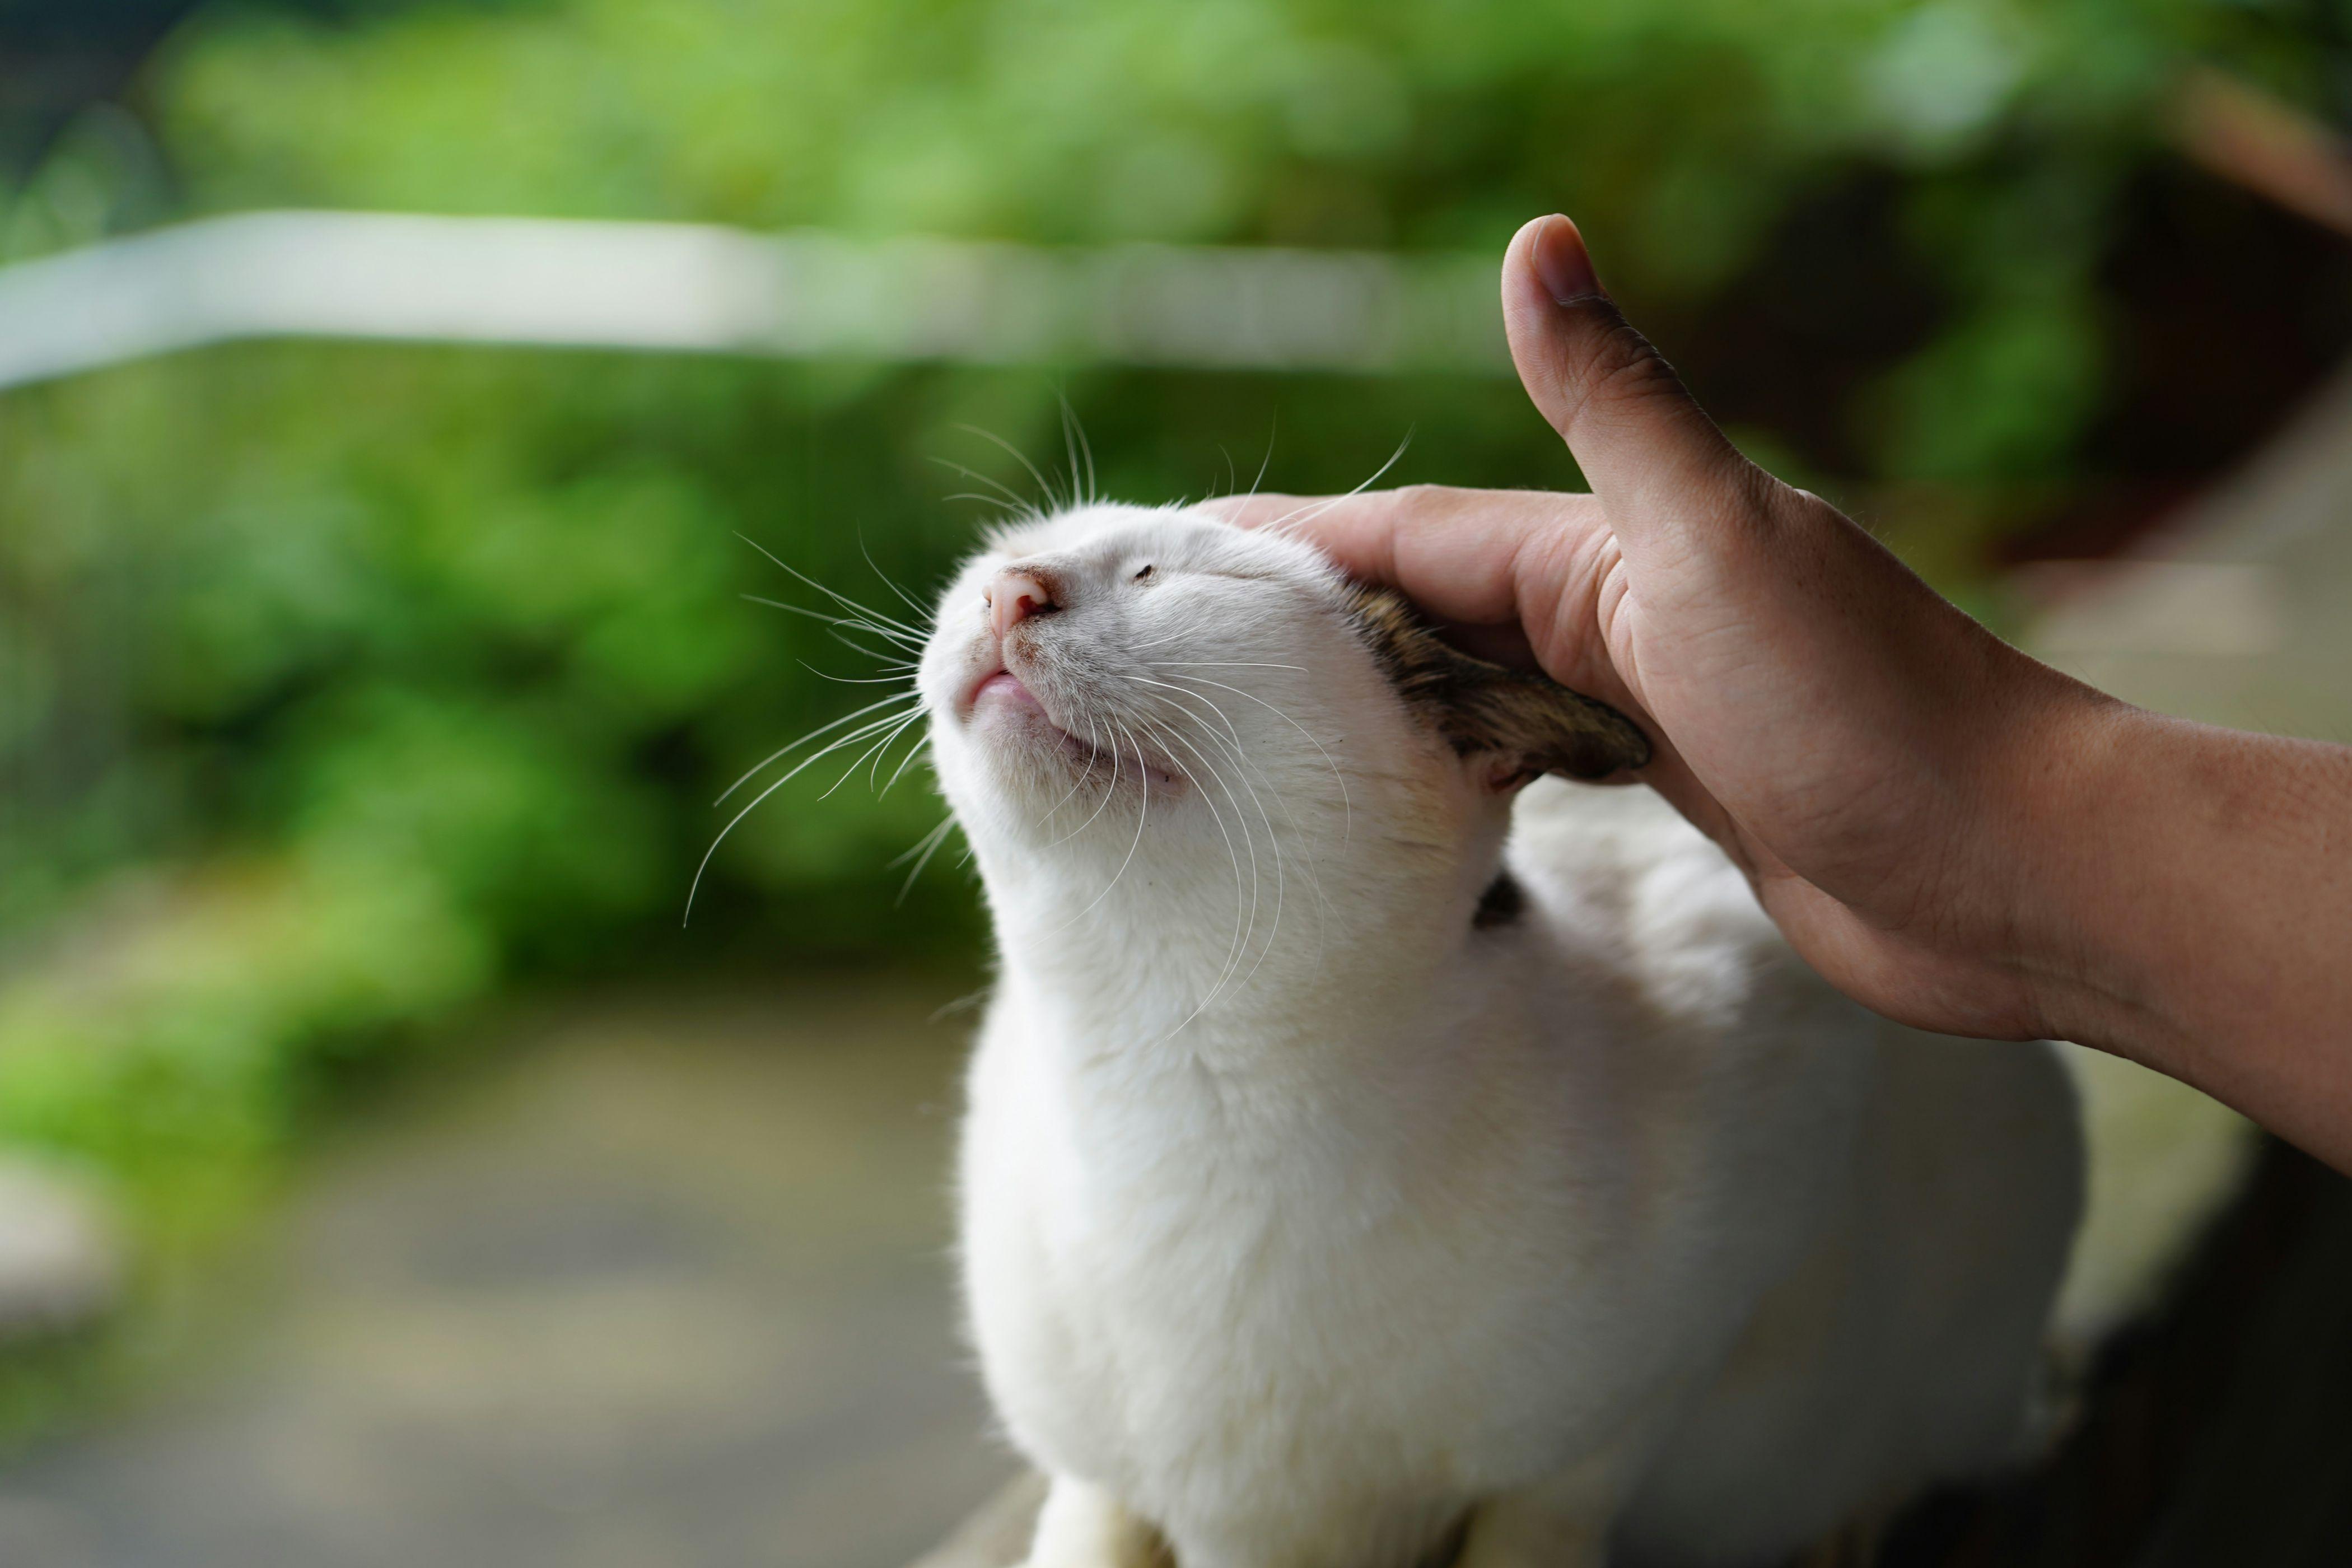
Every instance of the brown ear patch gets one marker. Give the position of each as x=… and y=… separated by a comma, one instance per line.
x=1531, y=721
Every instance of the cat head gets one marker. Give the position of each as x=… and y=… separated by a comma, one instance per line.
x=1205, y=706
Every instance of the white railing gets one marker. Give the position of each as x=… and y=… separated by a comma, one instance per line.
x=701, y=289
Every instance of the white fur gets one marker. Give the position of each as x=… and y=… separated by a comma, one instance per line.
x=1304, y=1236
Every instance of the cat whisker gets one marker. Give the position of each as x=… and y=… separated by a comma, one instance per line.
x=1242, y=761
x=1245, y=924
x=1074, y=442
x=1346, y=805
x=1223, y=663
x=904, y=763
x=1171, y=734
x=782, y=751
x=1240, y=758
x=1229, y=742
x=1011, y=500
x=1045, y=486
x=1309, y=513
x=922, y=738
x=1231, y=733
x=924, y=848
x=1142, y=816
x=1006, y=507
x=1274, y=931
x=904, y=641
x=874, y=750
x=850, y=739
x=880, y=656
x=1266, y=461
x=852, y=680
x=906, y=598
x=1094, y=745
x=869, y=612
x=1110, y=789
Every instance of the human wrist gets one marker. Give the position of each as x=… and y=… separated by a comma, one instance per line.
x=2208, y=896
x=2077, y=797
x=2151, y=926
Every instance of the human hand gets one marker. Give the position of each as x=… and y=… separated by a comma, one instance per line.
x=1875, y=762
x=1952, y=832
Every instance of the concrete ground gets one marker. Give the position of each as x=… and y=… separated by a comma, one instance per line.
x=666, y=1286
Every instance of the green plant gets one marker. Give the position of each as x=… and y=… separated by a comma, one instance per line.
x=392, y=675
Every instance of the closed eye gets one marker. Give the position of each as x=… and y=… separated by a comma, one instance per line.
x=1141, y=576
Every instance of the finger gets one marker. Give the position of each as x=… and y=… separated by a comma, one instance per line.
x=1647, y=449
x=1263, y=509
x=1457, y=553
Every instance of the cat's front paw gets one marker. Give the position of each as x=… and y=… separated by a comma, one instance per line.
x=1083, y=1526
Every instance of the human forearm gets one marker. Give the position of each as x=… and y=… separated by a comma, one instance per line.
x=2196, y=914
x=1954, y=834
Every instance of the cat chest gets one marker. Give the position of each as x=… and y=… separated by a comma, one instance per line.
x=1279, y=1319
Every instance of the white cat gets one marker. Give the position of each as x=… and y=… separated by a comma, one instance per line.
x=1359, y=1170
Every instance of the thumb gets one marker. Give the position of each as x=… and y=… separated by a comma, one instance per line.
x=1649, y=451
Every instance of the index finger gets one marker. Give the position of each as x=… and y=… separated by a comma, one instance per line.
x=1457, y=553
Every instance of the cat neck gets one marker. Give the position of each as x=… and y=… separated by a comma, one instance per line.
x=1165, y=959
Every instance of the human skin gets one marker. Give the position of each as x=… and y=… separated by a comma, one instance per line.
x=1952, y=832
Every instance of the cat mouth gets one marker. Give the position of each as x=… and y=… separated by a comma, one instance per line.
x=1005, y=685
x=1006, y=701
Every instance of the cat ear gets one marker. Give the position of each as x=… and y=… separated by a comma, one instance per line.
x=1527, y=724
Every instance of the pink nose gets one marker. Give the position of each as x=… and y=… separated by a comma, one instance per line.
x=1013, y=597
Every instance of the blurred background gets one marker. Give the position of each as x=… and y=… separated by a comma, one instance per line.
x=404, y=405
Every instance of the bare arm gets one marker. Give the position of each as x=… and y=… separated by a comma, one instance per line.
x=1954, y=834
x=2203, y=878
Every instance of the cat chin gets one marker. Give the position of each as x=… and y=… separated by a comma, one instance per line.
x=1025, y=753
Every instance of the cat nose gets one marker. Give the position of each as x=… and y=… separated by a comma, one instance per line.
x=1013, y=597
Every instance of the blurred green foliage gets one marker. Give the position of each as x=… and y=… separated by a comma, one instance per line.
x=340, y=685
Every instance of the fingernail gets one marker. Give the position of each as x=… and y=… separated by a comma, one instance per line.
x=1562, y=264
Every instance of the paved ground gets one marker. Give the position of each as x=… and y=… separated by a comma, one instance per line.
x=667, y=1288
x=2241, y=611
